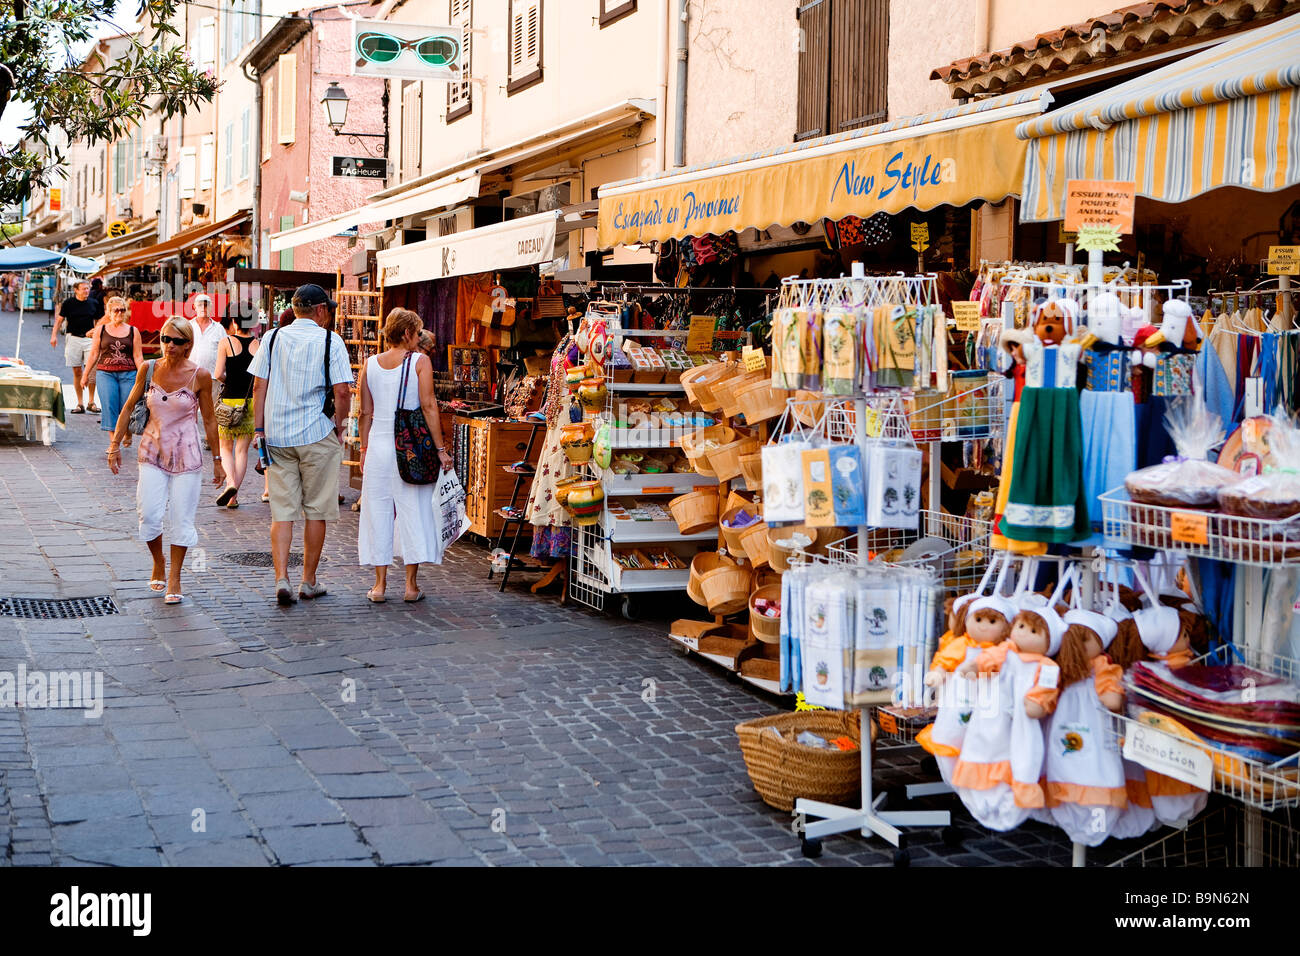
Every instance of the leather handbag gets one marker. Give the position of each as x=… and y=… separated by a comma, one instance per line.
x=231, y=417
x=417, y=453
x=140, y=413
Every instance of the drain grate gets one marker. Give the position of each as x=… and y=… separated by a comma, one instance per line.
x=51, y=609
x=261, y=559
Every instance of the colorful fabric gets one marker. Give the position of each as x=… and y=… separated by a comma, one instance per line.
x=1109, y=444
x=1173, y=375
x=1047, y=501
x=1107, y=371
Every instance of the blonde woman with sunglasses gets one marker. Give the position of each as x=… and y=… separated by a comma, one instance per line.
x=170, y=455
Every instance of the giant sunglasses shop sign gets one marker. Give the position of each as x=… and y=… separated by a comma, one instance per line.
x=410, y=50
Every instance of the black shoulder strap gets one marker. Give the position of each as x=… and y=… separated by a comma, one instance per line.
x=329, y=340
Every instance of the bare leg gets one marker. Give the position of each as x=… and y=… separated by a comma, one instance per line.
x=412, y=586
x=281, y=539
x=228, y=459
x=76, y=384
x=238, y=461
x=159, y=571
x=174, y=572
x=313, y=540
x=90, y=390
x=381, y=581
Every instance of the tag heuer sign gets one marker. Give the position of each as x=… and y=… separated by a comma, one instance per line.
x=359, y=167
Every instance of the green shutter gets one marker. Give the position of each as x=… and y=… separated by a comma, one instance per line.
x=286, y=255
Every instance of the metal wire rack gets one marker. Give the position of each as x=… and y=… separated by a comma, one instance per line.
x=1265, y=786
x=955, y=547
x=588, y=573
x=975, y=413
x=1225, y=836
x=1262, y=542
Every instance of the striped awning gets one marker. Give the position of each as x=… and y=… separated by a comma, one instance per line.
x=1229, y=116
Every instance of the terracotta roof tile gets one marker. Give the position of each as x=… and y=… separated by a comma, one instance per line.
x=1125, y=31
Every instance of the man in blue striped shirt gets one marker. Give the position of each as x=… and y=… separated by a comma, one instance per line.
x=305, y=446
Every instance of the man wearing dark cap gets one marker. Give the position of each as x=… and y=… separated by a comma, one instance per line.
x=297, y=370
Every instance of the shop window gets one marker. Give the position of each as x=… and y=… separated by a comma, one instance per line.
x=411, y=128
x=288, y=70
x=268, y=117
x=459, y=102
x=843, y=66
x=613, y=10
x=525, y=63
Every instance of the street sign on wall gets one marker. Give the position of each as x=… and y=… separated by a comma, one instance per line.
x=411, y=50
x=359, y=167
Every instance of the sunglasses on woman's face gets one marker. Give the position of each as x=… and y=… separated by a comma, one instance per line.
x=118, y=311
x=383, y=48
x=172, y=340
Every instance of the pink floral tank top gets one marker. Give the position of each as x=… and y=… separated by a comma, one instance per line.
x=171, y=439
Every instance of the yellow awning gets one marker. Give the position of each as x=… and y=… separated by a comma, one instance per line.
x=951, y=157
x=1228, y=116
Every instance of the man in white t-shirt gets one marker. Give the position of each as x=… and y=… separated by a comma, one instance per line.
x=208, y=334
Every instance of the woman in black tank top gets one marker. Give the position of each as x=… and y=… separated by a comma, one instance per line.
x=234, y=356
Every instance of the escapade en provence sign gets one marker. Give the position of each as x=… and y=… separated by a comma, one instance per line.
x=954, y=167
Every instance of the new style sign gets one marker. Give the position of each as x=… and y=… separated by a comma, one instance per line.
x=409, y=50
x=833, y=181
x=359, y=167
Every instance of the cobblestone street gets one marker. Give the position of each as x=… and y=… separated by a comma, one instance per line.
x=486, y=728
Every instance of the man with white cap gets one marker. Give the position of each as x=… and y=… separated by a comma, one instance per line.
x=208, y=334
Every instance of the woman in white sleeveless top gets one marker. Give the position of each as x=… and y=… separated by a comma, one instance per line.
x=389, y=506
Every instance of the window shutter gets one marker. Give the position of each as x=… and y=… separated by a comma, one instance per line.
x=411, y=129
x=268, y=117
x=288, y=90
x=458, y=94
x=207, y=160
x=525, y=38
x=188, y=159
x=860, y=64
x=286, y=255
x=245, y=142
x=119, y=167
x=229, y=151
x=208, y=43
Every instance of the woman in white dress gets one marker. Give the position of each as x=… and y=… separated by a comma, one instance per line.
x=389, y=505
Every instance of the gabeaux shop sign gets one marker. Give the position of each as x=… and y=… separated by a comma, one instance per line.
x=954, y=167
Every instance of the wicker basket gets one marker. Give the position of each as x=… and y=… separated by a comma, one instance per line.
x=806, y=414
x=702, y=564
x=751, y=466
x=766, y=629
x=699, y=460
x=726, y=391
x=725, y=461
x=725, y=588
x=757, y=545
x=782, y=771
x=779, y=555
x=695, y=511
x=734, y=536
x=698, y=382
x=765, y=576
x=760, y=402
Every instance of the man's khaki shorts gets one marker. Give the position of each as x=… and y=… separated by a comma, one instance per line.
x=304, y=481
x=76, y=349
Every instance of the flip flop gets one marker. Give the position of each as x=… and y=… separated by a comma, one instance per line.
x=226, y=496
x=173, y=598
x=157, y=584
x=370, y=596
x=419, y=596
x=233, y=505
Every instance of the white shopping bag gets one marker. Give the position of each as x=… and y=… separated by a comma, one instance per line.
x=449, y=511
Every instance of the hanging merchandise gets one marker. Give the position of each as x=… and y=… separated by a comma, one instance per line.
x=841, y=372
x=893, y=474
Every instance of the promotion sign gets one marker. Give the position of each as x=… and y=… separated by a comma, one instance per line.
x=888, y=172
x=409, y=50
x=1099, y=202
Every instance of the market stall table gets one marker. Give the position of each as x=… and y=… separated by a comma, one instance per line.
x=36, y=396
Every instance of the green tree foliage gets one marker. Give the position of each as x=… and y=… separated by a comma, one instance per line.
x=91, y=103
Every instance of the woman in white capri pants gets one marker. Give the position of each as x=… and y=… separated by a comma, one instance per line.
x=389, y=506
x=170, y=456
